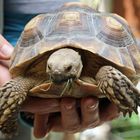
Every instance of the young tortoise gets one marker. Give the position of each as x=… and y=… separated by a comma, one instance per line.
x=75, y=51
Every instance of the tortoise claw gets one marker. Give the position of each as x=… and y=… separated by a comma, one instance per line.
x=130, y=113
x=124, y=113
x=135, y=110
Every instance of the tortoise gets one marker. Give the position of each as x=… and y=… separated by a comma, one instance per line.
x=75, y=51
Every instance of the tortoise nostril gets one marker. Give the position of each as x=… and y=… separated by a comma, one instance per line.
x=67, y=69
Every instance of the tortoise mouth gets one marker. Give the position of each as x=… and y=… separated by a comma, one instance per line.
x=60, y=79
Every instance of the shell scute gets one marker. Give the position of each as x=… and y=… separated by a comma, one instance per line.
x=31, y=34
x=112, y=32
x=109, y=51
x=126, y=58
x=134, y=53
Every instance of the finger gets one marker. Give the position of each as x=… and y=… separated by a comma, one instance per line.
x=40, y=125
x=4, y=57
x=90, y=112
x=69, y=116
x=4, y=75
x=108, y=111
x=6, y=48
x=40, y=105
x=5, y=63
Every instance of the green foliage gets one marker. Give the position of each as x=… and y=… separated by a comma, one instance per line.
x=127, y=128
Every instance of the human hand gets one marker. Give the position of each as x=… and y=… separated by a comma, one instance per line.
x=5, y=52
x=73, y=115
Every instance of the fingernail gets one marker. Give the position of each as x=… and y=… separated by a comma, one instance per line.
x=6, y=50
x=93, y=106
x=68, y=107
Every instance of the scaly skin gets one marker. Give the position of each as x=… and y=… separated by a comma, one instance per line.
x=119, y=89
x=12, y=95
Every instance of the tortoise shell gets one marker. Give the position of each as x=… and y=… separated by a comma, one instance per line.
x=101, y=39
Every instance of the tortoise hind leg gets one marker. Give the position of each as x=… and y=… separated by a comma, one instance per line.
x=118, y=89
x=12, y=95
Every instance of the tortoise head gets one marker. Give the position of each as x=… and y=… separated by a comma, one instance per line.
x=64, y=64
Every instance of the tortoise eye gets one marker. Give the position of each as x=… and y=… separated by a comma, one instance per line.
x=67, y=69
x=49, y=67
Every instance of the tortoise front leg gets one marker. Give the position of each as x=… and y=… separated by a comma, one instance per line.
x=118, y=89
x=12, y=95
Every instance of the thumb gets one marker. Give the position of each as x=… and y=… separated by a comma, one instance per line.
x=6, y=48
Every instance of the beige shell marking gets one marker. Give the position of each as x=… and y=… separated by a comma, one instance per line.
x=113, y=23
x=70, y=18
